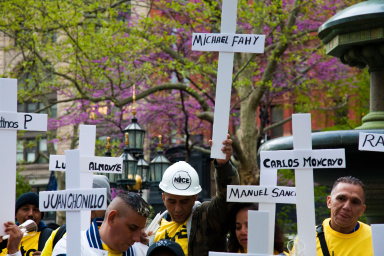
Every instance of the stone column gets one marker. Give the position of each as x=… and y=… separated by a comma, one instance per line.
x=371, y=55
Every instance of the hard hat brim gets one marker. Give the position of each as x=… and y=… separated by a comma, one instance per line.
x=179, y=192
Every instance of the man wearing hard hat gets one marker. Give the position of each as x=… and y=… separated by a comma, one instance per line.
x=197, y=227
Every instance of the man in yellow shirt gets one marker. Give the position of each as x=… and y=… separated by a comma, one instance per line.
x=27, y=208
x=343, y=234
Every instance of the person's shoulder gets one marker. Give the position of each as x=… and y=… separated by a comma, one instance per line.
x=60, y=247
x=140, y=249
x=365, y=227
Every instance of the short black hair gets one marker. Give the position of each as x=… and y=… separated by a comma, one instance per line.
x=135, y=202
x=349, y=180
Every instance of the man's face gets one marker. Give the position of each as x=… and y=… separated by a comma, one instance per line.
x=28, y=212
x=347, y=205
x=126, y=230
x=179, y=207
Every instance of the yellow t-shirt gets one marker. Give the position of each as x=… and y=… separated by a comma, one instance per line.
x=355, y=244
x=110, y=251
x=27, y=246
x=47, y=251
x=246, y=251
x=175, y=232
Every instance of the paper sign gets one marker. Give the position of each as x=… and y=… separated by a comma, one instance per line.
x=377, y=239
x=57, y=163
x=371, y=142
x=302, y=159
x=23, y=121
x=73, y=200
x=101, y=164
x=228, y=42
x=92, y=164
x=261, y=194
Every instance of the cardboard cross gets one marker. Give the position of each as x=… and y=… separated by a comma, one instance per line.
x=89, y=164
x=257, y=235
x=10, y=122
x=303, y=159
x=226, y=43
x=377, y=239
x=74, y=200
x=374, y=142
x=267, y=197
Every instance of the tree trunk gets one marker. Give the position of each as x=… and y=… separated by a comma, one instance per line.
x=247, y=133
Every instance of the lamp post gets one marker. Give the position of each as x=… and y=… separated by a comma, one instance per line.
x=136, y=133
x=128, y=177
x=158, y=165
x=110, y=176
x=143, y=172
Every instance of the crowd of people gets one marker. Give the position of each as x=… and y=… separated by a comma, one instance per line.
x=188, y=227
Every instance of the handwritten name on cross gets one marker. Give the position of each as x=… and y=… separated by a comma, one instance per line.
x=303, y=159
x=89, y=164
x=226, y=44
x=10, y=122
x=267, y=195
x=257, y=235
x=74, y=200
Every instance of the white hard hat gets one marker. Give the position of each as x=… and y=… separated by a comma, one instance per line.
x=180, y=179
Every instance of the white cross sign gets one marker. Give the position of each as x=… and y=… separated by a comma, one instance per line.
x=302, y=152
x=257, y=236
x=371, y=142
x=74, y=200
x=267, y=196
x=10, y=122
x=377, y=239
x=269, y=178
x=94, y=164
x=88, y=164
x=226, y=43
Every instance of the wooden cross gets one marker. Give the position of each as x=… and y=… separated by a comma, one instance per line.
x=303, y=159
x=10, y=122
x=257, y=236
x=226, y=44
x=267, y=195
x=74, y=200
x=89, y=164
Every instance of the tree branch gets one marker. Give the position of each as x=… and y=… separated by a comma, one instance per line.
x=276, y=125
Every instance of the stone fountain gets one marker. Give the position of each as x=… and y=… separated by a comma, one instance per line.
x=355, y=36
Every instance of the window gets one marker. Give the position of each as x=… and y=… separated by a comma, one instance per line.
x=277, y=116
x=20, y=151
x=28, y=150
x=33, y=106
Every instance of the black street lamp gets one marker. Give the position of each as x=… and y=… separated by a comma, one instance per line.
x=143, y=172
x=110, y=176
x=158, y=165
x=128, y=177
x=136, y=133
